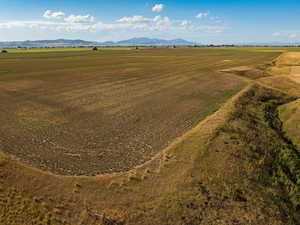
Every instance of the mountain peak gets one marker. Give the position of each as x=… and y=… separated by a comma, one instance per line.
x=153, y=41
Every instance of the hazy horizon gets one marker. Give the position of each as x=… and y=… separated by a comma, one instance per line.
x=210, y=22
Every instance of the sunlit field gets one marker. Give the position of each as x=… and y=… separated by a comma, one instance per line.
x=100, y=112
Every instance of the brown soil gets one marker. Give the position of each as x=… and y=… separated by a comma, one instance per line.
x=106, y=112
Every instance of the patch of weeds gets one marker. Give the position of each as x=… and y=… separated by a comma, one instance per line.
x=107, y=221
x=277, y=159
x=134, y=177
x=237, y=194
x=15, y=208
x=187, y=210
x=57, y=211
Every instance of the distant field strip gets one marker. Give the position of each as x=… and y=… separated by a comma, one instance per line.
x=91, y=113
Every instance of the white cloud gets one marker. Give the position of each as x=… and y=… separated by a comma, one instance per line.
x=135, y=19
x=287, y=34
x=157, y=23
x=67, y=26
x=135, y=25
x=47, y=25
x=26, y=24
x=53, y=15
x=80, y=19
x=158, y=8
x=202, y=15
x=185, y=22
x=158, y=20
x=161, y=20
x=144, y=23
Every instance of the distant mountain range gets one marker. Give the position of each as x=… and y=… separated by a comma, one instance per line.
x=77, y=43
x=130, y=42
x=152, y=41
x=45, y=43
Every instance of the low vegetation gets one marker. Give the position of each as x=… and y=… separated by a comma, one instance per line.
x=249, y=72
x=236, y=166
x=15, y=209
x=289, y=115
x=248, y=164
x=109, y=111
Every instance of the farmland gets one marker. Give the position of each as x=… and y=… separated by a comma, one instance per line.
x=64, y=50
x=85, y=113
x=175, y=136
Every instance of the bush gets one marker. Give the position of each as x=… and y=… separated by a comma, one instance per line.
x=95, y=49
x=4, y=51
x=237, y=195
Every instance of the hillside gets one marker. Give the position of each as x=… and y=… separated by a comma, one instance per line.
x=153, y=42
x=46, y=43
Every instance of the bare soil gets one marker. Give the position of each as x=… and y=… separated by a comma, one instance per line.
x=94, y=113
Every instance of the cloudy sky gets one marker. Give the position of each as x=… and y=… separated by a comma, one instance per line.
x=203, y=21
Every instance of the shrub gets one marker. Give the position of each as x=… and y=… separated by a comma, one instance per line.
x=237, y=195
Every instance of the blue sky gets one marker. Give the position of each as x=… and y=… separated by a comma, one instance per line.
x=200, y=21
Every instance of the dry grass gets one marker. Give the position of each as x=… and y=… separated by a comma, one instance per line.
x=289, y=59
x=289, y=115
x=249, y=72
x=15, y=209
x=220, y=176
x=286, y=77
x=225, y=170
x=109, y=111
x=47, y=50
x=283, y=83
